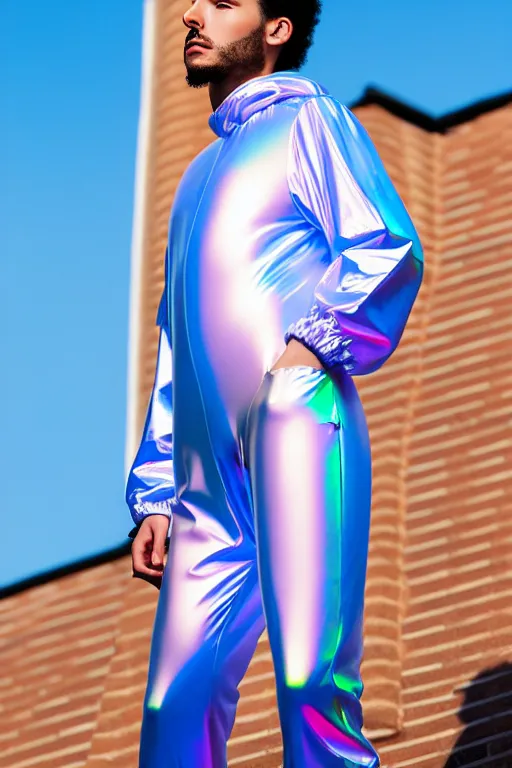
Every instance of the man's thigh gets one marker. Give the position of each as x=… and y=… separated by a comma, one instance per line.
x=210, y=590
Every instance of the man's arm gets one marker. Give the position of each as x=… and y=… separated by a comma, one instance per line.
x=150, y=485
x=338, y=182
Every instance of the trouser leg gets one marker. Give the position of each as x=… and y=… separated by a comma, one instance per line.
x=309, y=461
x=207, y=624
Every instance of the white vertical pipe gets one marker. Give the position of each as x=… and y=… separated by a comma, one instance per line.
x=139, y=228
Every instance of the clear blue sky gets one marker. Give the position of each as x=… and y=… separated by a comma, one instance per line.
x=69, y=90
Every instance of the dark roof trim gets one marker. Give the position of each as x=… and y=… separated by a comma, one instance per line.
x=65, y=570
x=375, y=96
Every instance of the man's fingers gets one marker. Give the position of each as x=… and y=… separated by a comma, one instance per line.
x=141, y=544
x=143, y=571
x=149, y=546
x=147, y=569
x=159, y=536
x=141, y=560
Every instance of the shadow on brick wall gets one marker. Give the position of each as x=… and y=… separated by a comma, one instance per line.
x=486, y=713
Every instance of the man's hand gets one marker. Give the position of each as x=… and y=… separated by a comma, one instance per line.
x=148, y=549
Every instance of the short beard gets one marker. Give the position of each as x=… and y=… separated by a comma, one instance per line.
x=245, y=56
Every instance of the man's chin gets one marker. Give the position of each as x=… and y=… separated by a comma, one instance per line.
x=199, y=76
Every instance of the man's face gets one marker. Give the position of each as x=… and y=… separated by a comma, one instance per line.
x=233, y=32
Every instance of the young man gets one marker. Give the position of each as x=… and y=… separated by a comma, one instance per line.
x=291, y=266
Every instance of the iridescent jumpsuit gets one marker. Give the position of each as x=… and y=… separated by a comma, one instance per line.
x=286, y=226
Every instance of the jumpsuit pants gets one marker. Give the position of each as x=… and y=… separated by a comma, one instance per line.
x=300, y=490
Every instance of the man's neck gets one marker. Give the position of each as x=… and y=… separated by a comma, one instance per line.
x=220, y=91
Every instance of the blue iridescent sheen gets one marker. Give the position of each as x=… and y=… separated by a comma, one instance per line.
x=338, y=181
x=150, y=486
x=286, y=226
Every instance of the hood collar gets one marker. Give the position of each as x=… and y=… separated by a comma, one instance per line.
x=257, y=94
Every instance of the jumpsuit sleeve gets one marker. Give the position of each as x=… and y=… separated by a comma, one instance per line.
x=338, y=182
x=150, y=486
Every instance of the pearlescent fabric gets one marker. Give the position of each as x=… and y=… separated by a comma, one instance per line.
x=293, y=559
x=286, y=226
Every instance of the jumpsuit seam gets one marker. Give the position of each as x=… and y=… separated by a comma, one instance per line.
x=187, y=249
x=342, y=516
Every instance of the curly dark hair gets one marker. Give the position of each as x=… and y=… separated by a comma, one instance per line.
x=304, y=15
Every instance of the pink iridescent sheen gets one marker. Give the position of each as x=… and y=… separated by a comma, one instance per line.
x=286, y=226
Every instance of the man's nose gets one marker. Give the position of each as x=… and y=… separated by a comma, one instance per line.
x=192, y=18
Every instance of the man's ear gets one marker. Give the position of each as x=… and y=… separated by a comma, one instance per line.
x=281, y=31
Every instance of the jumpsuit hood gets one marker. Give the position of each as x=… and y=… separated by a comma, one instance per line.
x=257, y=94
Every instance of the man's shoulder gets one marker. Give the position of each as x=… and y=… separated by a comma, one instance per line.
x=320, y=115
x=326, y=105
x=326, y=123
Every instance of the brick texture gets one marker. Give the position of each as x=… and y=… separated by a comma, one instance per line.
x=56, y=648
